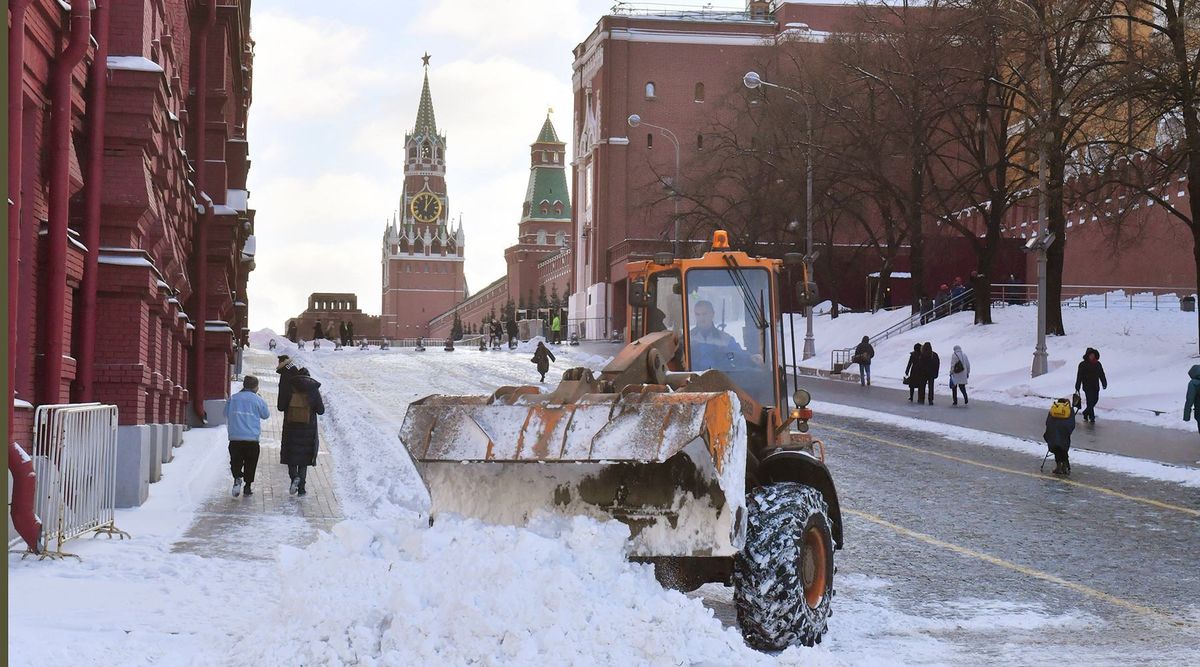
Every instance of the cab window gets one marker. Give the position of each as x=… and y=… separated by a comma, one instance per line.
x=729, y=315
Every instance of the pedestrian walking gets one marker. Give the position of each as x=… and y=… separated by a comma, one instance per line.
x=1191, y=401
x=1060, y=423
x=912, y=371
x=511, y=325
x=1090, y=377
x=244, y=412
x=542, y=356
x=556, y=329
x=497, y=334
x=941, y=302
x=960, y=372
x=863, y=354
x=931, y=366
x=300, y=401
x=955, y=292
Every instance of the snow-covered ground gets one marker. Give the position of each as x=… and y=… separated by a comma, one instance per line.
x=1146, y=354
x=386, y=588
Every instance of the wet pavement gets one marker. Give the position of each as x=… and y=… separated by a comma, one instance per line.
x=1005, y=563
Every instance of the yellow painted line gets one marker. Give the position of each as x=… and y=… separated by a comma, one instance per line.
x=1092, y=487
x=1027, y=571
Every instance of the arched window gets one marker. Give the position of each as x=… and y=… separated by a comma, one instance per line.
x=559, y=238
x=699, y=96
x=649, y=140
x=699, y=142
x=426, y=152
x=649, y=90
x=412, y=152
x=541, y=237
x=558, y=207
x=545, y=208
x=437, y=152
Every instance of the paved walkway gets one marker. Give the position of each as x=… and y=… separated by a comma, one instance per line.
x=253, y=527
x=1107, y=435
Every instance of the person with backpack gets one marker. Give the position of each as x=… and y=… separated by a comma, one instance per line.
x=300, y=401
x=1090, y=376
x=542, y=356
x=244, y=412
x=1060, y=423
x=931, y=365
x=863, y=354
x=960, y=372
x=1192, y=396
x=912, y=371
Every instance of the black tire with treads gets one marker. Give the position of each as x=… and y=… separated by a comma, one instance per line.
x=768, y=581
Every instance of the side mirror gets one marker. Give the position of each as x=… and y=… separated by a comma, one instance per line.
x=807, y=294
x=793, y=259
x=637, y=294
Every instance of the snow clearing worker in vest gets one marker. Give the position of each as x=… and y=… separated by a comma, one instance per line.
x=556, y=329
x=244, y=413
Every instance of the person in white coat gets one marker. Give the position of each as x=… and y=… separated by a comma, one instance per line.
x=960, y=372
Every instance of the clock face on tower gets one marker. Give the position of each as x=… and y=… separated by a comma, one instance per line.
x=426, y=207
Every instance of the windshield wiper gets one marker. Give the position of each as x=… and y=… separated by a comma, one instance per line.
x=755, y=309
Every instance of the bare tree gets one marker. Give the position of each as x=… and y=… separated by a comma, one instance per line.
x=1156, y=47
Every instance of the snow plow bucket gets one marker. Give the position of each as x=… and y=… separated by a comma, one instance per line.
x=670, y=465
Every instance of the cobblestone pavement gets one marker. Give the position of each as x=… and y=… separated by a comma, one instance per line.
x=254, y=527
x=1009, y=564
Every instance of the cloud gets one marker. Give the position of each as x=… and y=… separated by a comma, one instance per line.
x=306, y=69
x=334, y=92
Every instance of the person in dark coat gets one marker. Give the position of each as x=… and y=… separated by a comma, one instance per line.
x=863, y=354
x=318, y=332
x=350, y=332
x=542, y=356
x=931, y=365
x=497, y=334
x=912, y=371
x=1193, y=394
x=1058, y=434
x=941, y=302
x=300, y=402
x=512, y=332
x=1090, y=377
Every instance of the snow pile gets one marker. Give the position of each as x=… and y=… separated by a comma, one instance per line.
x=461, y=592
x=530, y=345
x=263, y=337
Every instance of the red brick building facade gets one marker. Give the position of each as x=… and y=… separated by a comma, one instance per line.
x=329, y=311
x=422, y=252
x=131, y=237
x=673, y=69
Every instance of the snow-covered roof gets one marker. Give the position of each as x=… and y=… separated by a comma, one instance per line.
x=126, y=260
x=219, y=328
x=22, y=404
x=134, y=64
x=893, y=274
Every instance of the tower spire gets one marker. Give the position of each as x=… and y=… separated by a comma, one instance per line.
x=426, y=124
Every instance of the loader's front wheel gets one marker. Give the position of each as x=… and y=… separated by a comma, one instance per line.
x=783, y=577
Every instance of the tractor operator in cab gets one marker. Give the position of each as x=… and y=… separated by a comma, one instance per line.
x=713, y=348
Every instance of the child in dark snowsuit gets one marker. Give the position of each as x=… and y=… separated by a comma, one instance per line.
x=542, y=356
x=1060, y=423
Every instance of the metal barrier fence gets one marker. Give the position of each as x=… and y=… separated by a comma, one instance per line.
x=75, y=460
x=843, y=358
x=1101, y=296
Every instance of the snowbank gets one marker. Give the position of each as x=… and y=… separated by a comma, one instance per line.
x=1146, y=355
x=1123, y=464
x=559, y=592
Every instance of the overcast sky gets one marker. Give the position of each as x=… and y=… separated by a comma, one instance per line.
x=336, y=85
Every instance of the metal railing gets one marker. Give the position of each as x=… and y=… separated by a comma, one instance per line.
x=1098, y=296
x=75, y=460
x=841, y=359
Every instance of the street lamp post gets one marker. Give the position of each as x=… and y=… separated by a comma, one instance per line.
x=752, y=80
x=636, y=120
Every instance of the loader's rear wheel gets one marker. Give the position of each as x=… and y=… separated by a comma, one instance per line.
x=783, y=577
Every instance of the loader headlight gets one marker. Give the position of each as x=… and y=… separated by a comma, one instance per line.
x=801, y=427
x=801, y=398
